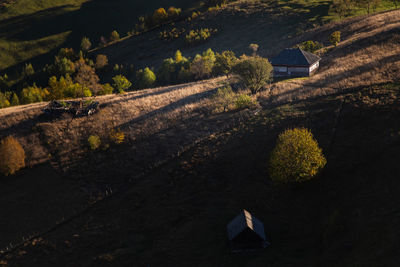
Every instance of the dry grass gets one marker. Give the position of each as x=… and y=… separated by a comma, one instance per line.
x=369, y=56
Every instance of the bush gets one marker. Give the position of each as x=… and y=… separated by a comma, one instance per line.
x=254, y=72
x=12, y=156
x=121, y=84
x=174, y=12
x=311, y=46
x=296, y=157
x=28, y=70
x=243, y=101
x=101, y=61
x=334, y=39
x=224, y=62
x=85, y=44
x=160, y=15
x=4, y=102
x=117, y=136
x=34, y=94
x=14, y=100
x=224, y=98
x=94, y=142
x=114, y=36
x=146, y=78
x=107, y=89
x=199, y=36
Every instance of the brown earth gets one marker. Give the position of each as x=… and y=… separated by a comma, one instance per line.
x=175, y=214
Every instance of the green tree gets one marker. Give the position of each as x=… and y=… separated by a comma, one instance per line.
x=94, y=142
x=107, y=89
x=12, y=156
x=34, y=94
x=166, y=72
x=4, y=102
x=334, y=38
x=296, y=157
x=254, y=72
x=85, y=44
x=146, y=78
x=114, y=36
x=28, y=70
x=14, y=100
x=224, y=62
x=63, y=66
x=121, y=84
x=224, y=97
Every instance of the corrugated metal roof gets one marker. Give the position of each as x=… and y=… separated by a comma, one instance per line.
x=241, y=222
x=295, y=57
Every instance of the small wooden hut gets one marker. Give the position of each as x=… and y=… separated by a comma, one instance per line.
x=295, y=62
x=246, y=232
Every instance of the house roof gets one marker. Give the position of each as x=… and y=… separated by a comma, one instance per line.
x=241, y=222
x=295, y=57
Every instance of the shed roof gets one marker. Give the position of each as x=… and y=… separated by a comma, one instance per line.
x=295, y=57
x=243, y=221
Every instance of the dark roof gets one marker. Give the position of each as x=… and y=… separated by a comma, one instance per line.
x=243, y=221
x=295, y=57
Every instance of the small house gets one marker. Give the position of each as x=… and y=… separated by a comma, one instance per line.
x=295, y=62
x=246, y=232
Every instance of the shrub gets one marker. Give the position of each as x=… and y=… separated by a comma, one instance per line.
x=160, y=15
x=254, y=72
x=4, y=102
x=107, y=89
x=243, y=101
x=114, y=36
x=12, y=156
x=254, y=49
x=334, y=39
x=94, y=142
x=224, y=62
x=174, y=12
x=34, y=94
x=178, y=56
x=296, y=157
x=311, y=46
x=146, y=78
x=121, y=84
x=14, y=100
x=174, y=33
x=85, y=44
x=199, y=36
x=87, y=77
x=101, y=61
x=28, y=70
x=166, y=72
x=117, y=136
x=63, y=66
x=224, y=98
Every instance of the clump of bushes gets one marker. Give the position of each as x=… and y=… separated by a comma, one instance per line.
x=334, y=38
x=253, y=72
x=12, y=156
x=244, y=101
x=173, y=34
x=94, y=142
x=121, y=84
x=145, y=78
x=296, y=157
x=117, y=136
x=311, y=46
x=199, y=35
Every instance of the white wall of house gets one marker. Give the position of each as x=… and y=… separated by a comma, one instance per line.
x=314, y=66
x=280, y=69
x=295, y=70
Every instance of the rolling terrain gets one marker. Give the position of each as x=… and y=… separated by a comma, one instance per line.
x=163, y=198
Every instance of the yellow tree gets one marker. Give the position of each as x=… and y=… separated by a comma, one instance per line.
x=296, y=157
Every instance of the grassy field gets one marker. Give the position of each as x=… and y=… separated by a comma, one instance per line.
x=31, y=28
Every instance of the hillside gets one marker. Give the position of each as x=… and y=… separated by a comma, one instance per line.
x=34, y=30
x=185, y=169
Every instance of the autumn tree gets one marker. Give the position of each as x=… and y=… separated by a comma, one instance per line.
x=146, y=78
x=101, y=61
x=254, y=72
x=85, y=44
x=296, y=157
x=224, y=62
x=87, y=77
x=160, y=15
x=334, y=38
x=12, y=156
x=114, y=36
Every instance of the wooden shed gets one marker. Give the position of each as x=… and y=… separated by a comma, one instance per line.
x=246, y=232
x=295, y=62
